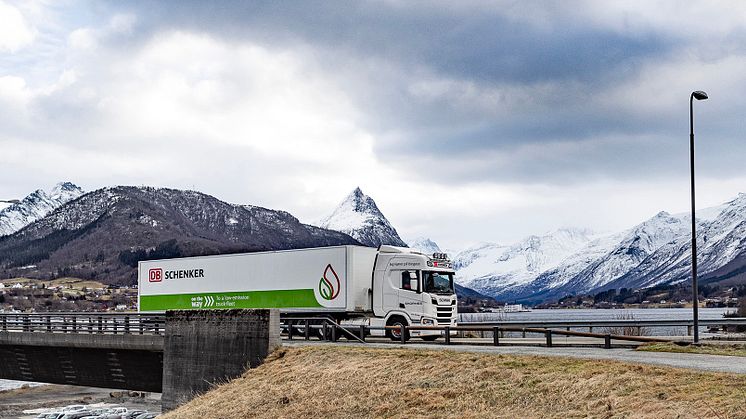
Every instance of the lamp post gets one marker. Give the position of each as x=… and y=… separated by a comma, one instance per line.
x=699, y=95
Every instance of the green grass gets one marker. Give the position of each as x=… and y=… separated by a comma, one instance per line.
x=709, y=349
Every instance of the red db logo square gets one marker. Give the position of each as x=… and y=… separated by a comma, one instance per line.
x=155, y=275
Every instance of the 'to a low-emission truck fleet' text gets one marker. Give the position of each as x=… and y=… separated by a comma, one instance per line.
x=353, y=285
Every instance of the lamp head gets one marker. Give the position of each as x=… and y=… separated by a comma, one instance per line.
x=699, y=95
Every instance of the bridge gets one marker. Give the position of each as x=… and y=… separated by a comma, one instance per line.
x=177, y=354
x=160, y=352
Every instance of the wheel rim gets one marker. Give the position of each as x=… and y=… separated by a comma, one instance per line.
x=397, y=332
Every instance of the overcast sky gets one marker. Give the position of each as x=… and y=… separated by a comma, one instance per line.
x=465, y=121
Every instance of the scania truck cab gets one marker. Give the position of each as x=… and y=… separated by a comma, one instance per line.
x=411, y=288
x=353, y=285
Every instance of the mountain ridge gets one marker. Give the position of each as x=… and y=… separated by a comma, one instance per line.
x=101, y=233
x=654, y=252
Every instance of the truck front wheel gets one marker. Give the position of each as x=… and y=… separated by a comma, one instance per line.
x=395, y=334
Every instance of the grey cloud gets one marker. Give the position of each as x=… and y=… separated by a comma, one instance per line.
x=378, y=49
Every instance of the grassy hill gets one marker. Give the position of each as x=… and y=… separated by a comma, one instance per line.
x=341, y=382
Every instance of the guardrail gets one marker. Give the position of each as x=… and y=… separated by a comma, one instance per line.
x=591, y=324
x=328, y=331
x=84, y=323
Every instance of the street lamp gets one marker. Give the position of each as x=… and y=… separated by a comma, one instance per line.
x=699, y=95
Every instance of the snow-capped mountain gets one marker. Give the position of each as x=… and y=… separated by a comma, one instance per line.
x=359, y=216
x=720, y=240
x=496, y=269
x=424, y=245
x=657, y=251
x=36, y=206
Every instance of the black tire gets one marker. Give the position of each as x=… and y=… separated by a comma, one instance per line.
x=393, y=334
x=430, y=338
x=292, y=329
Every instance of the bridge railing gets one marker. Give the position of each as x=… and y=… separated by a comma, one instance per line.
x=84, y=323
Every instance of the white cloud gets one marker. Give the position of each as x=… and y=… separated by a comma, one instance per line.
x=16, y=32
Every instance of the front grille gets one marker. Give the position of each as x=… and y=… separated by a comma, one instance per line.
x=444, y=314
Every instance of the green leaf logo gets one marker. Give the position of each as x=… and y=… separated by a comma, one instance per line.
x=327, y=289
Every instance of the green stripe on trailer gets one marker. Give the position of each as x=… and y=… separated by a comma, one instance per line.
x=303, y=298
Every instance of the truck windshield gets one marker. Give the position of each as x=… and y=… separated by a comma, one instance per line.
x=438, y=282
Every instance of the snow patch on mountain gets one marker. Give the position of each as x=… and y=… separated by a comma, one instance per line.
x=359, y=216
x=36, y=206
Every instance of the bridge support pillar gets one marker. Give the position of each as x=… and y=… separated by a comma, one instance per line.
x=207, y=347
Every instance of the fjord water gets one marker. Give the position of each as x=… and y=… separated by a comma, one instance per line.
x=602, y=314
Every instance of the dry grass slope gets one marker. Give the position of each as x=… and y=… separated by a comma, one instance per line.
x=343, y=382
x=711, y=349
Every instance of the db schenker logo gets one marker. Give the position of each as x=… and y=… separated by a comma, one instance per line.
x=155, y=275
x=329, y=284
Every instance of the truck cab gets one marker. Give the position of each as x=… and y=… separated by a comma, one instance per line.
x=413, y=289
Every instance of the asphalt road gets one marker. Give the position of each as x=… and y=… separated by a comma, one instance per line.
x=717, y=363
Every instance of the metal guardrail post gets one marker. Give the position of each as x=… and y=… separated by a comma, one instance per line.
x=324, y=330
x=448, y=335
x=26, y=324
x=496, y=336
x=523, y=333
x=402, y=333
x=140, y=325
x=5, y=324
x=49, y=324
x=114, y=324
x=307, y=331
x=75, y=324
x=689, y=330
x=100, y=324
x=607, y=342
x=362, y=332
x=548, y=334
x=90, y=325
x=290, y=330
x=126, y=324
x=334, y=333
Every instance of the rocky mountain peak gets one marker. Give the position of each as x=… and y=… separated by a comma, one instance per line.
x=35, y=206
x=359, y=216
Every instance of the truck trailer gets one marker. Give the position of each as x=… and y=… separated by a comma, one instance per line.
x=353, y=285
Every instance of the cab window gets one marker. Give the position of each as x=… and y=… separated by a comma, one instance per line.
x=410, y=281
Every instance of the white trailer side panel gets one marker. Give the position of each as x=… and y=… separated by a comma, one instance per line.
x=305, y=279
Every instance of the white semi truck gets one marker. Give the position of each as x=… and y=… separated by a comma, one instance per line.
x=353, y=285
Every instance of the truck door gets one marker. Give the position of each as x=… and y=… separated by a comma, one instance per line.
x=410, y=293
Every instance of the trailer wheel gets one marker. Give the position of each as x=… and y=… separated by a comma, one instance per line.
x=394, y=334
x=331, y=336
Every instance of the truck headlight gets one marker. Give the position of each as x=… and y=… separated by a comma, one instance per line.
x=428, y=322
